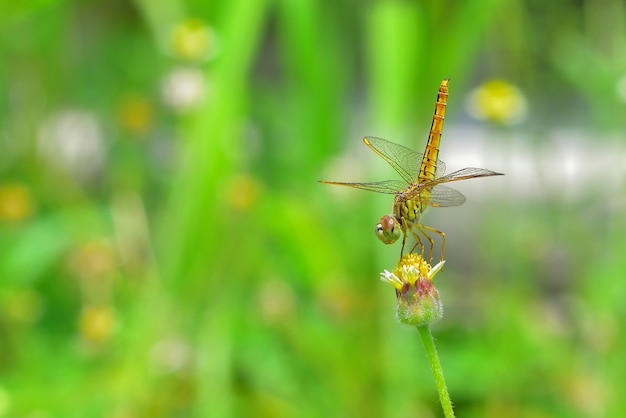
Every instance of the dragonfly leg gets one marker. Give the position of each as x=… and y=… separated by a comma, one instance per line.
x=418, y=241
x=423, y=229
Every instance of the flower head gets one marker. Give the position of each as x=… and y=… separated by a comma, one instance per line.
x=418, y=299
x=16, y=202
x=498, y=101
x=184, y=89
x=193, y=40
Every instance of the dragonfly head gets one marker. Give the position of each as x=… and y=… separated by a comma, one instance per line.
x=388, y=229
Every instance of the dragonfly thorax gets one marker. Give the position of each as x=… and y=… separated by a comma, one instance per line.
x=388, y=229
x=409, y=206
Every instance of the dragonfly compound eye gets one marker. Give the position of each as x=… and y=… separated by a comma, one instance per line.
x=388, y=230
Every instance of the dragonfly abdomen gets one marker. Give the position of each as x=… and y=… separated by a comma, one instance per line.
x=428, y=168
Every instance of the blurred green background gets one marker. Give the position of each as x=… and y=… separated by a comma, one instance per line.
x=166, y=250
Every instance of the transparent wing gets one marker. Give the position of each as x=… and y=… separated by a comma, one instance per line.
x=404, y=160
x=444, y=196
x=462, y=174
x=441, y=168
x=385, y=186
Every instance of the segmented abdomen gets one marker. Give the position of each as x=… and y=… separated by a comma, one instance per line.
x=429, y=161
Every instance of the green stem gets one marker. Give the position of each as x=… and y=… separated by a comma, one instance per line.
x=435, y=365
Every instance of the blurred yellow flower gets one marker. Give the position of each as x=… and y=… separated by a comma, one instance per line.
x=244, y=192
x=497, y=101
x=194, y=40
x=97, y=324
x=418, y=299
x=135, y=114
x=16, y=203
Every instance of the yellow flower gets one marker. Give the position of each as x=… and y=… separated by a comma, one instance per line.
x=97, y=324
x=245, y=192
x=193, y=40
x=135, y=114
x=418, y=299
x=498, y=101
x=16, y=203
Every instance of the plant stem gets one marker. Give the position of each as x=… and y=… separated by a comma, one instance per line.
x=435, y=365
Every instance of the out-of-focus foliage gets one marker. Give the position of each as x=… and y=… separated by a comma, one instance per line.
x=165, y=249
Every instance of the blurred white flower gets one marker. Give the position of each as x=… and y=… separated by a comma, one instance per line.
x=170, y=356
x=72, y=140
x=184, y=89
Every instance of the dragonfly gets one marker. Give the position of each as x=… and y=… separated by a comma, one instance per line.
x=422, y=185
